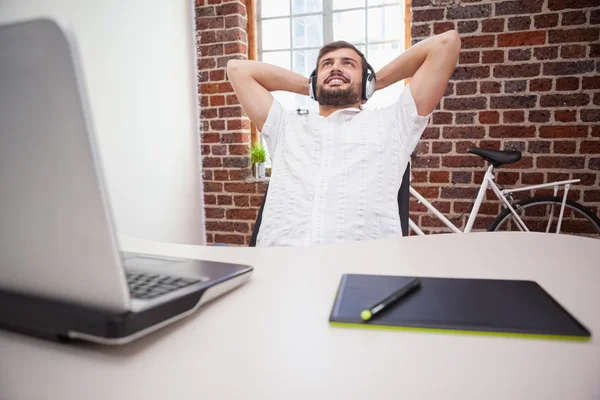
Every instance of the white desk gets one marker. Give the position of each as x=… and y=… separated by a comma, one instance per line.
x=270, y=339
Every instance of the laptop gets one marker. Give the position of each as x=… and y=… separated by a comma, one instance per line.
x=62, y=274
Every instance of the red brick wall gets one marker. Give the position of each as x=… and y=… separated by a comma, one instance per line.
x=528, y=79
x=231, y=198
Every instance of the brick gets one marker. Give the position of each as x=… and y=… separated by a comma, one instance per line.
x=439, y=176
x=513, y=116
x=560, y=162
x=574, y=18
x=462, y=177
x=433, y=14
x=418, y=176
x=469, y=57
x=490, y=87
x=212, y=162
x=426, y=162
x=463, y=132
x=211, y=50
x=422, y=148
x=592, y=196
x=507, y=178
x=492, y=57
x=540, y=85
x=240, y=187
x=556, y=5
x=441, y=27
x=232, y=99
x=219, y=226
x=473, y=42
x=545, y=21
x=590, y=115
x=515, y=86
x=586, y=179
x=526, y=162
x=564, y=131
x=564, y=100
x=420, y=3
x=230, y=112
x=522, y=39
x=236, y=48
x=492, y=25
x=573, y=35
x=214, y=213
x=463, y=145
x=205, y=11
x=519, y=23
x=204, y=101
x=463, y=161
x=204, y=149
x=209, y=113
x=222, y=61
x=468, y=26
x=235, y=162
x=423, y=30
x=563, y=147
x=514, y=145
x=467, y=73
x=464, y=88
x=441, y=147
x=219, y=150
x=210, y=199
x=209, y=88
x=513, y=102
x=441, y=118
x=567, y=83
x=210, y=137
x=595, y=17
x=594, y=163
x=431, y=133
x=241, y=201
x=591, y=82
x=565, y=115
x=243, y=214
x=230, y=239
x=225, y=201
x=597, y=98
x=596, y=131
x=469, y=12
x=429, y=192
x=218, y=75
x=538, y=146
x=532, y=178
x=238, y=174
x=505, y=131
x=458, y=193
x=206, y=63
x=238, y=149
x=465, y=103
x=539, y=116
x=545, y=53
x=221, y=175
x=518, y=7
x=519, y=54
x=241, y=227
x=231, y=8
x=465, y=118
x=238, y=124
x=230, y=35
x=205, y=23
x=218, y=125
x=208, y=37
x=573, y=51
x=489, y=117
x=217, y=101
x=449, y=89
x=590, y=147
x=234, y=21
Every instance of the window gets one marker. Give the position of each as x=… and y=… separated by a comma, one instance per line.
x=291, y=32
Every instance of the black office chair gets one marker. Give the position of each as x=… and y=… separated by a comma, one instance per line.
x=403, y=207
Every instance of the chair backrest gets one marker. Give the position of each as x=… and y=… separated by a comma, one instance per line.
x=403, y=207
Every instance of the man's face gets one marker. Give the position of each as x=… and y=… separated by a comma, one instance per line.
x=339, y=78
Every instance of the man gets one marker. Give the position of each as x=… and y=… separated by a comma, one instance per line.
x=336, y=174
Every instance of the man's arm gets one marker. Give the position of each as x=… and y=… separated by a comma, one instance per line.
x=253, y=80
x=430, y=63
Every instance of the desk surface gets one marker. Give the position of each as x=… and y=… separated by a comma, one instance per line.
x=270, y=339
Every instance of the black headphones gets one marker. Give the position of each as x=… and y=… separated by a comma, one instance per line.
x=368, y=83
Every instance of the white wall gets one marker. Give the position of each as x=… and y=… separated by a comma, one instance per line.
x=139, y=63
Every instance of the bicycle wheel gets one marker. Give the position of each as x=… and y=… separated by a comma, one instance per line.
x=541, y=214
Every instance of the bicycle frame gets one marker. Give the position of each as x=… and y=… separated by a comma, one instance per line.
x=502, y=194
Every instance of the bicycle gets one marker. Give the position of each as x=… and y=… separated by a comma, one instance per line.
x=537, y=213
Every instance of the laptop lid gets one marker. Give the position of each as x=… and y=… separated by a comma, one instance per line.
x=56, y=235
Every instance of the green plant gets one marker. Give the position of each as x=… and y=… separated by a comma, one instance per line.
x=258, y=154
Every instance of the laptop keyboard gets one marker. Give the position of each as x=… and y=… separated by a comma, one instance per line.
x=148, y=286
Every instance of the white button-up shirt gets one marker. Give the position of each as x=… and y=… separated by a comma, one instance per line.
x=336, y=178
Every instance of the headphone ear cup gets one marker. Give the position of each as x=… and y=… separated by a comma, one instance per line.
x=312, y=85
x=370, y=84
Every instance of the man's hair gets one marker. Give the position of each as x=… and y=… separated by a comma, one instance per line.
x=340, y=44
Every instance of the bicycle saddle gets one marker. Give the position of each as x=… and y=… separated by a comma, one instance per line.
x=496, y=157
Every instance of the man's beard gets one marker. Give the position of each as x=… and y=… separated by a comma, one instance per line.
x=339, y=97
